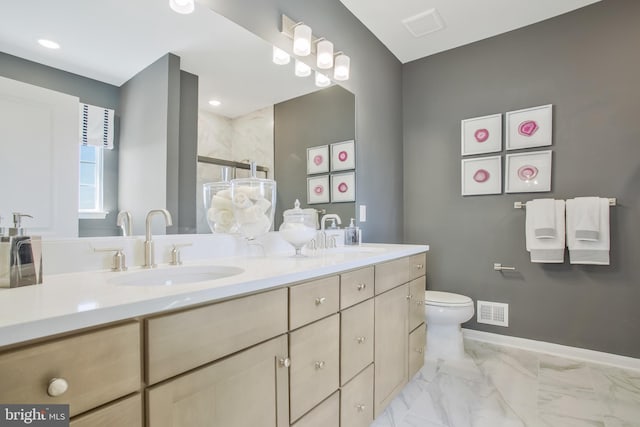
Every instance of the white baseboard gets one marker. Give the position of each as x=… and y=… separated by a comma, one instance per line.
x=555, y=349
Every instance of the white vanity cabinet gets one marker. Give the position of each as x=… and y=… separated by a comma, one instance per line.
x=328, y=352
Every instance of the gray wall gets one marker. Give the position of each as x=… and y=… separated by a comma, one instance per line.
x=187, y=178
x=376, y=81
x=586, y=64
x=319, y=118
x=91, y=92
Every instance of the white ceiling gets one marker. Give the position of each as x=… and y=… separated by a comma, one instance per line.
x=466, y=21
x=112, y=40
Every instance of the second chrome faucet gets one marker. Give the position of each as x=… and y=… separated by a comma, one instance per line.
x=149, y=257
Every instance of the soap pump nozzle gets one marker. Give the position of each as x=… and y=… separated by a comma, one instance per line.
x=17, y=229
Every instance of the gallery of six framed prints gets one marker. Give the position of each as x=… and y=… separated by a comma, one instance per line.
x=340, y=186
x=526, y=171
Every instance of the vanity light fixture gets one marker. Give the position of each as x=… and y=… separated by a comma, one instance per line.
x=302, y=69
x=182, y=6
x=325, y=54
x=342, y=67
x=322, y=80
x=215, y=103
x=49, y=44
x=280, y=57
x=302, y=39
x=319, y=49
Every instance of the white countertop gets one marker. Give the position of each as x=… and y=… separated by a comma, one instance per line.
x=66, y=302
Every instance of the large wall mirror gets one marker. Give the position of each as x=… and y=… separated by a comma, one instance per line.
x=158, y=71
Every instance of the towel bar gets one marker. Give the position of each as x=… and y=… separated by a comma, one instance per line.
x=522, y=205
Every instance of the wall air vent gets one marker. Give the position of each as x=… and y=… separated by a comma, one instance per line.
x=423, y=23
x=493, y=313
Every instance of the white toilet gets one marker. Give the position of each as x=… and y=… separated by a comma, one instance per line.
x=444, y=313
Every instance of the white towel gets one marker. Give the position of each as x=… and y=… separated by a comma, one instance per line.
x=549, y=250
x=542, y=213
x=588, y=251
x=587, y=218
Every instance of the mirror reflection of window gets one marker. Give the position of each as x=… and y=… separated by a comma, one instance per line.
x=91, y=180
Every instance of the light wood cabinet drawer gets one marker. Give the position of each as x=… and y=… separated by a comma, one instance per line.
x=356, y=286
x=315, y=358
x=418, y=265
x=181, y=341
x=313, y=300
x=417, y=342
x=356, y=339
x=391, y=274
x=98, y=366
x=126, y=412
x=416, y=302
x=327, y=414
x=356, y=407
x=246, y=389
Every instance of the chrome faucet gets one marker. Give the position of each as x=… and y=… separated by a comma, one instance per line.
x=149, y=259
x=322, y=235
x=124, y=217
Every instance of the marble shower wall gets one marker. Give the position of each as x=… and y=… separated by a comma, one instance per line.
x=242, y=138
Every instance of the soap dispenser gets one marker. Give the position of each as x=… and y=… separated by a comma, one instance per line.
x=351, y=234
x=21, y=256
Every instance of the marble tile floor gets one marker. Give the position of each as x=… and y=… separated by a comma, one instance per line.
x=498, y=386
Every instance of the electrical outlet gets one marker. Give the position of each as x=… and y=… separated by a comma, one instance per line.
x=363, y=213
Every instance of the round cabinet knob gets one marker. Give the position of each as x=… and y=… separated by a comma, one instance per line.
x=284, y=362
x=419, y=350
x=361, y=286
x=361, y=340
x=320, y=301
x=57, y=387
x=409, y=297
x=419, y=266
x=419, y=302
x=320, y=364
x=361, y=407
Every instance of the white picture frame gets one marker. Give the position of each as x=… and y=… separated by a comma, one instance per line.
x=318, y=189
x=530, y=127
x=528, y=172
x=317, y=159
x=343, y=156
x=343, y=187
x=481, y=135
x=481, y=176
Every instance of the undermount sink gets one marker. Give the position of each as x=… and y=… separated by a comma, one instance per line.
x=175, y=275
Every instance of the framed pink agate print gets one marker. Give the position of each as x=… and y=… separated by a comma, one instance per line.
x=343, y=156
x=318, y=159
x=531, y=127
x=343, y=187
x=482, y=175
x=528, y=172
x=481, y=135
x=318, y=189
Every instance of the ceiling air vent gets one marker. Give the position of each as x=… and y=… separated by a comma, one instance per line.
x=424, y=23
x=493, y=313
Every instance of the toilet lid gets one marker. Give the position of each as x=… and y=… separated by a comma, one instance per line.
x=446, y=298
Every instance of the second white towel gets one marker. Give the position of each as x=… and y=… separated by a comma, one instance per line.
x=581, y=250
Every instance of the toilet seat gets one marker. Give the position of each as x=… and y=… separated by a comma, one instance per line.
x=447, y=299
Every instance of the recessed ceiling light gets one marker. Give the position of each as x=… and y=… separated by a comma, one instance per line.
x=48, y=44
x=182, y=6
x=215, y=103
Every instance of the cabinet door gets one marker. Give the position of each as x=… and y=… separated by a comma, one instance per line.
x=356, y=400
x=417, y=342
x=391, y=345
x=356, y=339
x=125, y=412
x=315, y=359
x=326, y=414
x=416, y=302
x=247, y=389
